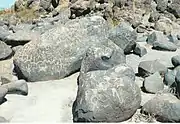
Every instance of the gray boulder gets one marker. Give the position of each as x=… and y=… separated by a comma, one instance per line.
x=169, y=77
x=146, y=68
x=175, y=60
x=102, y=57
x=124, y=36
x=17, y=87
x=3, y=92
x=60, y=50
x=106, y=96
x=165, y=107
x=164, y=46
x=156, y=36
x=154, y=83
x=141, y=51
x=5, y=51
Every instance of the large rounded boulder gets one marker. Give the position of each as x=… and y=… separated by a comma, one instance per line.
x=59, y=51
x=106, y=95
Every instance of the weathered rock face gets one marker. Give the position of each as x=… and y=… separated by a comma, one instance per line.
x=106, y=96
x=165, y=106
x=147, y=68
x=124, y=37
x=5, y=50
x=60, y=50
x=154, y=83
x=102, y=57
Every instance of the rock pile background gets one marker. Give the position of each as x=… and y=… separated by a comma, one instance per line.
x=90, y=60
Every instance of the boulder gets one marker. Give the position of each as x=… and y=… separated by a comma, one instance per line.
x=175, y=60
x=60, y=50
x=147, y=68
x=164, y=106
x=102, y=57
x=169, y=77
x=141, y=51
x=17, y=87
x=164, y=46
x=106, y=96
x=156, y=36
x=5, y=51
x=153, y=83
x=124, y=36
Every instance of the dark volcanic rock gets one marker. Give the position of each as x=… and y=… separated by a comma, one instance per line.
x=102, y=57
x=106, y=96
x=147, y=68
x=154, y=83
x=60, y=50
x=164, y=46
x=175, y=60
x=165, y=107
x=124, y=36
x=141, y=51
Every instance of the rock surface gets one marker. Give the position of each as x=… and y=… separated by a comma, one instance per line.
x=164, y=106
x=147, y=68
x=154, y=83
x=106, y=96
x=60, y=51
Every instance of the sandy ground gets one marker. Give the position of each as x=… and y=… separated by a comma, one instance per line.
x=49, y=101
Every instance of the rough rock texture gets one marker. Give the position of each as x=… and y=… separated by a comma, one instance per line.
x=106, y=96
x=147, y=68
x=3, y=92
x=5, y=51
x=141, y=51
x=164, y=46
x=124, y=36
x=156, y=36
x=169, y=78
x=102, y=57
x=165, y=107
x=175, y=60
x=60, y=50
x=154, y=83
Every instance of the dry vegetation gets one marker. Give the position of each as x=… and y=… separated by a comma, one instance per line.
x=22, y=16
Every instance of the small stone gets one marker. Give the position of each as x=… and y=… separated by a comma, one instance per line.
x=175, y=60
x=141, y=51
x=17, y=87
